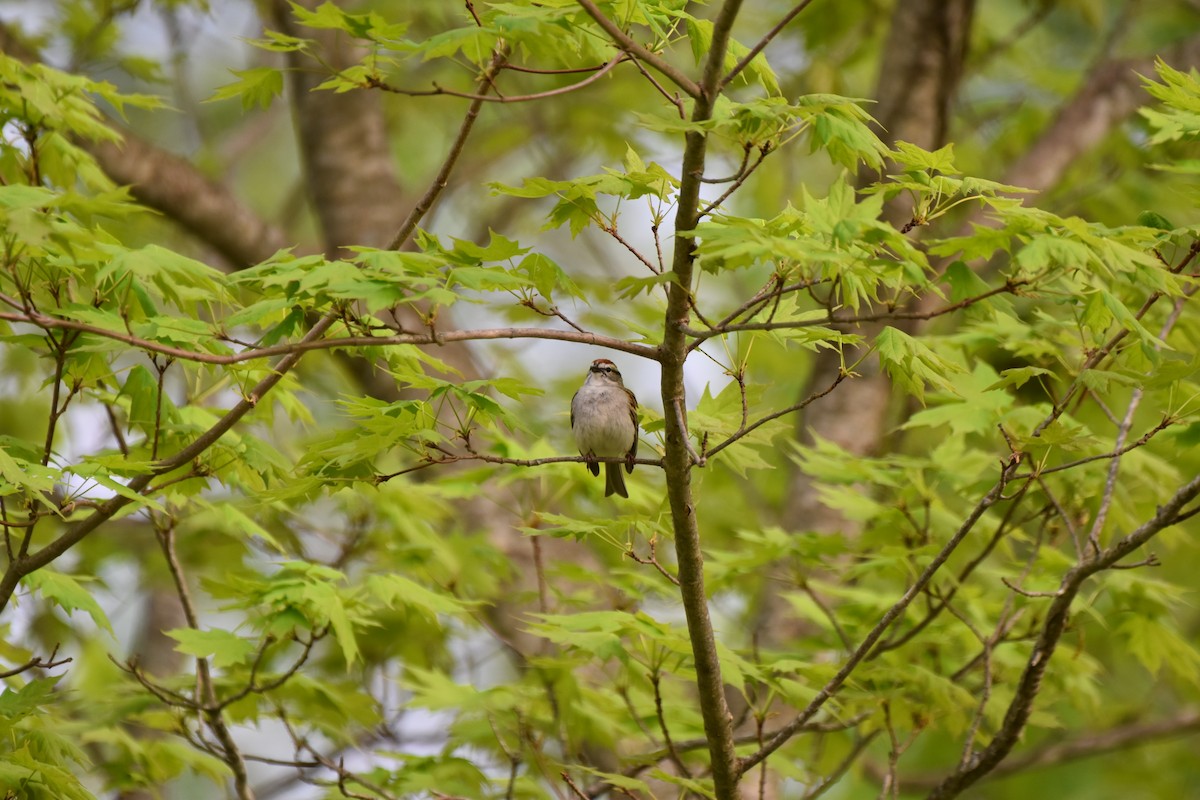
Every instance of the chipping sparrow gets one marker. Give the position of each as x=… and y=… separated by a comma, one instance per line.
x=604, y=420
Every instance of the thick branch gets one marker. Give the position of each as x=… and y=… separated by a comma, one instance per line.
x=350, y=176
x=1088, y=745
x=1094, y=744
x=677, y=460
x=1111, y=93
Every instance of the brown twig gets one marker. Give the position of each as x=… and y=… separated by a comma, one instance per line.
x=827, y=782
x=739, y=180
x=628, y=45
x=206, y=691
x=1009, y=287
x=254, y=354
x=655, y=677
x=651, y=561
x=762, y=43
x=442, y=178
x=1135, y=399
x=745, y=430
x=378, y=83
x=37, y=662
x=452, y=458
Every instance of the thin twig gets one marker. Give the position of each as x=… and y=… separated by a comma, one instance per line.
x=675, y=99
x=453, y=458
x=739, y=180
x=442, y=178
x=651, y=561
x=37, y=662
x=1062, y=515
x=831, y=780
x=1114, y=466
x=625, y=43
x=762, y=43
x=206, y=691
x=829, y=615
x=655, y=677
x=254, y=354
x=748, y=429
x=832, y=319
x=377, y=83
x=1164, y=423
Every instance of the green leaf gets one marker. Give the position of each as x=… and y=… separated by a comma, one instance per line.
x=95, y=472
x=222, y=647
x=1152, y=219
x=31, y=697
x=257, y=86
x=911, y=364
x=65, y=592
x=914, y=157
x=1154, y=643
x=25, y=475
x=1018, y=376
x=21, y=196
x=397, y=590
x=326, y=598
x=964, y=283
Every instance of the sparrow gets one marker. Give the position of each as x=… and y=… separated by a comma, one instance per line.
x=604, y=421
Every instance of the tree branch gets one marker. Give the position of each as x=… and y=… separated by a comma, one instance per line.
x=1009, y=287
x=376, y=83
x=831, y=687
x=75, y=533
x=1111, y=93
x=418, y=212
x=306, y=345
x=677, y=460
x=762, y=43
x=628, y=45
x=1057, y=616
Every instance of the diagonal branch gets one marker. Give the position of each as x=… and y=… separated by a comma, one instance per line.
x=1057, y=616
x=75, y=533
x=1112, y=92
x=860, y=653
x=499, y=57
x=628, y=45
x=1087, y=745
x=762, y=43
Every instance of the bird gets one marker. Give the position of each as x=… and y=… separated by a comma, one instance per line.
x=604, y=421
